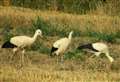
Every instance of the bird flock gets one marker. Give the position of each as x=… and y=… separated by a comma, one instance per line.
x=59, y=47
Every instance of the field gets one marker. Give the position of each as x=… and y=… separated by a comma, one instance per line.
x=78, y=66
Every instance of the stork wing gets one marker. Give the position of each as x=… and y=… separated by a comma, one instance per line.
x=59, y=42
x=99, y=46
x=20, y=40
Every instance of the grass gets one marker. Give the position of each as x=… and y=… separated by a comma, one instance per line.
x=23, y=17
x=50, y=22
x=46, y=70
x=37, y=75
x=79, y=66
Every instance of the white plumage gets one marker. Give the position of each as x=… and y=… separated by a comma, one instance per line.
x=61, y=45
x=97, y=48
x=23, y=41
x=20, y=42
x=100, y=46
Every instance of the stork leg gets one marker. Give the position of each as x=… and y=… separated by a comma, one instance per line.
x=97, y=53
x=62, y=62
x=14, y=53
x=62, y=59
x=57, y=59
x=22, y=57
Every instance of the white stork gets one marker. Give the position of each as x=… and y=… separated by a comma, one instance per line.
x=60, y=46
x=20, y=42
x=97, y=48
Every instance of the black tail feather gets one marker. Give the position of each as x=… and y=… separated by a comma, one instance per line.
x=8, y=45
x=53, y=50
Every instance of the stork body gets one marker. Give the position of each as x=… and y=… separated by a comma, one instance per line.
x=97, y=49
x=20, y=42
x=61, y=45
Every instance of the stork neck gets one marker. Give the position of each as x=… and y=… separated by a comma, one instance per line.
x=35, y=36
x=70, y=36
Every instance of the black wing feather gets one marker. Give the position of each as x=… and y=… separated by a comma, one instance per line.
x=8, y=44
x=88, y=46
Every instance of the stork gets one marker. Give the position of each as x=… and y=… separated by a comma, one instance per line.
x=60, y=46
x=20, y=42
x=97, y=48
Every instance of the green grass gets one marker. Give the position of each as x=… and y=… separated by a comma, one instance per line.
x=40, y=47
x=51, y=29
x=102, y=36
x=75, y=54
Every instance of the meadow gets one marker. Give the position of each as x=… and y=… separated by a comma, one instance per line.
x=78, y=66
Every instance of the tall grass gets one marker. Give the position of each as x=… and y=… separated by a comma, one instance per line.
x=105, y=7
x=21, y=17
x=6, y=30
x=70, y=6
x=52, y=28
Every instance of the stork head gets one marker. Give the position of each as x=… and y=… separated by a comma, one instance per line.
x=39, y=32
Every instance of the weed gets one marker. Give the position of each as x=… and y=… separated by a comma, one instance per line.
x=40, y=47
x=53, y=28
x=74, y=54
x=101, y=36
x=117, y=34
x=7, y=32
x=39, y=23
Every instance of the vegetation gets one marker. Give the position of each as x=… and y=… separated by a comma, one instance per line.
x=78, y=65
x=106, y=7
x=109, y=7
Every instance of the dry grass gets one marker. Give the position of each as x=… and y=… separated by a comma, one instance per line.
x=23, y=17
x=45, y=69
x=33, y=74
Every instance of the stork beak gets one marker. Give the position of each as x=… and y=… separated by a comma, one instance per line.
x=41, y=36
